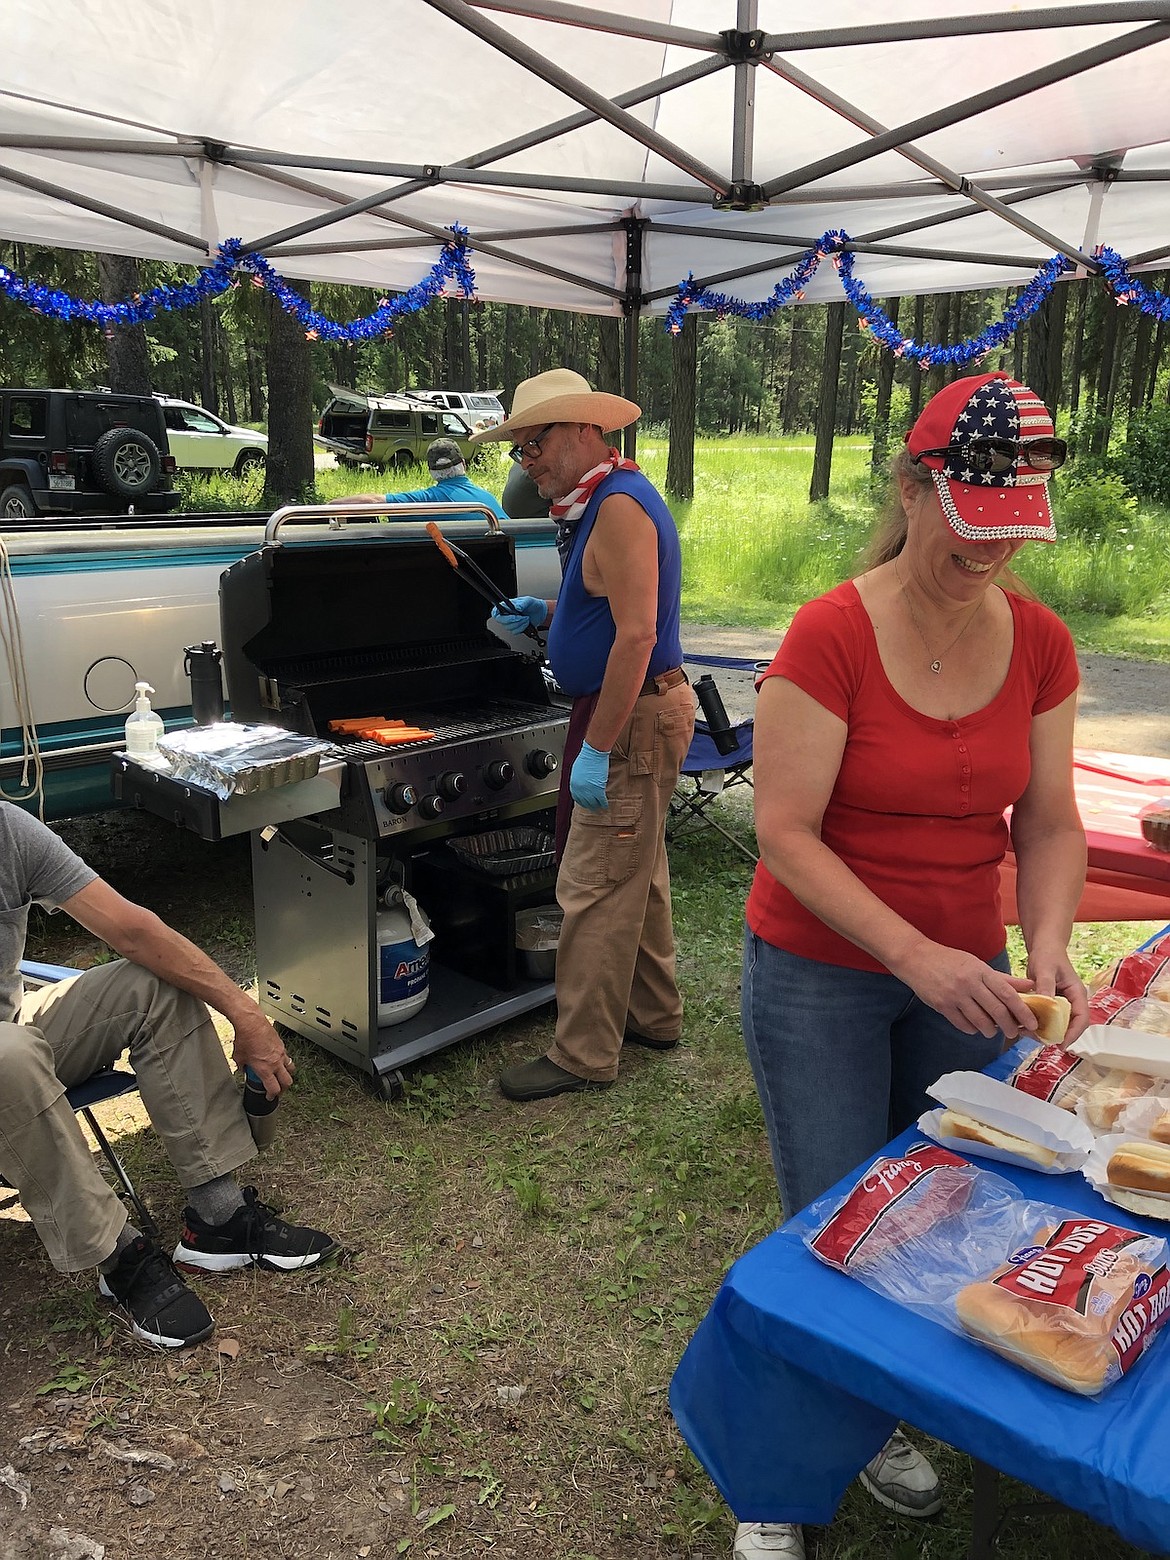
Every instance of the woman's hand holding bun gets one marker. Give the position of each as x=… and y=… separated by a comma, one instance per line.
x=968, y=992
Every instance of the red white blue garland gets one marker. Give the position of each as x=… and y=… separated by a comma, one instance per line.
x=229, y=264
x=877, y=322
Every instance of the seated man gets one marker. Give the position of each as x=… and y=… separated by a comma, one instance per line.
x=454, y=486
x=153, y=1002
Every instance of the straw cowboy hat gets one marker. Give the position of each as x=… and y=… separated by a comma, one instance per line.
x=560, y=396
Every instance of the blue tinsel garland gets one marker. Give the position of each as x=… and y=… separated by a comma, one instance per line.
x=874, y=319
x=230, y=262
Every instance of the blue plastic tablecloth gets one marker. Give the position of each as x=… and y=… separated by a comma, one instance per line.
x=798, y=1374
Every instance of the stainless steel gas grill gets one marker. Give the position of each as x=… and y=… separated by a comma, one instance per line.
x=380, y=630
x=346, y=629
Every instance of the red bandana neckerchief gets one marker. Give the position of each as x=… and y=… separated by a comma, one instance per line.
x=568, y=510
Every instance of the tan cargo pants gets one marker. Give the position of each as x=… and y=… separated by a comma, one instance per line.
x=64, y=1033
x=615, y=959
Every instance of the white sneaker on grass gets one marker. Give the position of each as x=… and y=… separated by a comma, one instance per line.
x=768, y=1541
x=901, y=1478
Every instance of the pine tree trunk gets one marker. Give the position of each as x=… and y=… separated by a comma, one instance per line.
x=609, y=355
x=1102, y=402
x=885, y=387
x=916, y=375
x=826, y=424
x=253, y=362
x=939, y=329
x=224, y=362
x=680, y=462
x=207, y=393
x=792, y=375
x=288, y=472
x=126, y=353
x=1078, y=350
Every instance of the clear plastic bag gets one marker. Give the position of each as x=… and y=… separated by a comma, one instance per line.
x=1068, y=1297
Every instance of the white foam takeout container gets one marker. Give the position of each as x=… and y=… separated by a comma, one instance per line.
x=1010, y=1110
x=1154, y=1205
x=1109, y=1045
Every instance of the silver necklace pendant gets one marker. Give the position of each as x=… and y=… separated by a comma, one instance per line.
x=936, y=667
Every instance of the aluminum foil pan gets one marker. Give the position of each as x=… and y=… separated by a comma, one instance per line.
x=237, y=760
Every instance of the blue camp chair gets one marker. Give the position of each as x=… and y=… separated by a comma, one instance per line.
x=705, y=776
x=106, y=1084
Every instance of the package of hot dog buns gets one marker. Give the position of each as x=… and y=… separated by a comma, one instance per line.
x=1056, y=1075
x=1067, y=1296
x=993, y=1120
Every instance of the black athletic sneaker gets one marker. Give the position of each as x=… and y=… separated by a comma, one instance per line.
x=252, y=1234
x=161, y=1308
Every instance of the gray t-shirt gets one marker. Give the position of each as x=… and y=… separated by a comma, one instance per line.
x=34, y=866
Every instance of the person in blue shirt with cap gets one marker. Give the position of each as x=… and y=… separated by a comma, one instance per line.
x=452, y=486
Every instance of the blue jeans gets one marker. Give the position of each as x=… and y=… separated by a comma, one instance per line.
x=842, y=1060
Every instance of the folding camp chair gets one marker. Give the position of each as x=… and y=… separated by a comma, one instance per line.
x=706, y=775
x=106, y=1084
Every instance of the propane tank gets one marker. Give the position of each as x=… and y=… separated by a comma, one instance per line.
x=403, y=957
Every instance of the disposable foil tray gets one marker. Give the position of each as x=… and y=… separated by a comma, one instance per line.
x=506, y=852
x=229, y=759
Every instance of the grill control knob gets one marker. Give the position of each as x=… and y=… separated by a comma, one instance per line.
x=452, y=785
x=496, y=775
x=431, y=806
x=400, y=798
x=540, y=763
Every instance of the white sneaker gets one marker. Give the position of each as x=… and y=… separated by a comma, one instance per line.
x=901, y=1478
x=779, y=1540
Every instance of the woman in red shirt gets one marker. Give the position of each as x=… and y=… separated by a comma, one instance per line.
x=904, y=712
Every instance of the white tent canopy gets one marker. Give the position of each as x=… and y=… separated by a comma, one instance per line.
x=596, y=155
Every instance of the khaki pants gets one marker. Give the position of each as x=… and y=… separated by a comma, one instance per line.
x=67, y=1031
x=615, y=961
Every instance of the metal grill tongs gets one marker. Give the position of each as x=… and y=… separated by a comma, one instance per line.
x=470, y=572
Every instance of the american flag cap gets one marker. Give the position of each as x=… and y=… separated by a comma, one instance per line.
x=985, y=506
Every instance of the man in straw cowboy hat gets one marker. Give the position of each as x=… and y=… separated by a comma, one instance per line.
x=614, y=647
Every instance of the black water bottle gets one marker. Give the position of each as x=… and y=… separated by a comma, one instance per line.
x=720, y=727
x=259, y=1109
x=201, y=664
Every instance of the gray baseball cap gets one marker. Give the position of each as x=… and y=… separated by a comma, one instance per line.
x=442, y=455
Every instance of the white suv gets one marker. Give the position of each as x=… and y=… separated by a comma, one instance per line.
x=200, y=441
x=481, y=411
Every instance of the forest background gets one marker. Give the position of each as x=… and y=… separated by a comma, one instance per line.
x=742, y=395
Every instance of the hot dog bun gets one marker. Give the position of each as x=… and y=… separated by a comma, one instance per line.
x=1105, y=1101
x=953, y=1124
x=1143, y=1167
x=1052, y=1016
x=1023, y=1334
x=1160, y=1131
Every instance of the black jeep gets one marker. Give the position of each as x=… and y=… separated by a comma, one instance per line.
x=82, y=452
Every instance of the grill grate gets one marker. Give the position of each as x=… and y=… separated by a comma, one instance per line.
x=452, y=725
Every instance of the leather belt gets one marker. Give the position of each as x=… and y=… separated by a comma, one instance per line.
x=664, y=681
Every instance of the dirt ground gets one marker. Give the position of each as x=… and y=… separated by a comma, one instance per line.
x=265, y=1449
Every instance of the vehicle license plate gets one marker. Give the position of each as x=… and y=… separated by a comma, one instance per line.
x=60, y=481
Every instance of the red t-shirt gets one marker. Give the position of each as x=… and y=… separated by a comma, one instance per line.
x=917, y=810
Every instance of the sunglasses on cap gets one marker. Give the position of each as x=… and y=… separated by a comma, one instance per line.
x=998, y=456
x=530, y=449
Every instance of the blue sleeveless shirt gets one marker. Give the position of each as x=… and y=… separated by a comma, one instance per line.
x=583, y=631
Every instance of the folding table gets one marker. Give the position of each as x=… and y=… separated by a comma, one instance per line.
x=798, y=1374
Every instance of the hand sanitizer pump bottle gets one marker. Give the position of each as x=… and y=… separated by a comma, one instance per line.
x=143, y=730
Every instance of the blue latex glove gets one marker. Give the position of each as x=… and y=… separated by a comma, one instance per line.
x=530, y=611
x=587, y=778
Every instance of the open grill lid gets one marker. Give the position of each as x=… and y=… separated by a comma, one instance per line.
x=314, y=631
